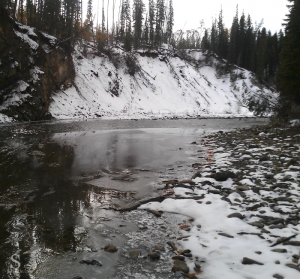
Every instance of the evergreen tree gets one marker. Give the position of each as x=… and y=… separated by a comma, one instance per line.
x=151, y=20
x=289, y=73
x=170, y=21
x=261, y=53
x=160, y=19
x=233, y=44
x=137, y=16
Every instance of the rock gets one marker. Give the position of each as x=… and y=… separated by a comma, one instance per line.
x=296, y=257
x=292, y=243
x=279, y=250
x=277, y=276
x=180, y=258
x=91, y=262
x=134, y=254
x=257, y=224
x=236, y=215
x=217, y=192
x=78, y=277
x=187, y=254
x=197, y=267
x=293, y=266
x=155, y=213
x=269, y=176
x=277, y=227
x=264, y=158
x=180, y=266
x=172, y=245
x=250, y=261
x=208, y=202
x=277, y=262
x=223, y=176
x=243, y=188
x=253, y=146
x=226, y=235
x=159, y=248
x=110, y=248
x=197, y=174
x=154, y=255
x=258, y=252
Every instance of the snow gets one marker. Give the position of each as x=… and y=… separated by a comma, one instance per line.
x=172, y=87
x=25, y=38
x=35, y=72
x=16, y=96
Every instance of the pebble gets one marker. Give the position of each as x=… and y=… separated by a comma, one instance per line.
x=279, y=250
x=226, y=235
x=180, y=266
x=250, y=261
x=110, y=248
x=236, y=215
x=154, y=255
x=134, y=254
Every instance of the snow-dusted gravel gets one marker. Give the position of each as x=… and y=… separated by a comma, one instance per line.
x=247, y=198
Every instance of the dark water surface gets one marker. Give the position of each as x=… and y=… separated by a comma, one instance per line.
x=57, y=180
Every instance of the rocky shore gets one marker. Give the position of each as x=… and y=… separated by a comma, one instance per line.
x=243, y=206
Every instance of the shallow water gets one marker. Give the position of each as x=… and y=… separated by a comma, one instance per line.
x=59, y=178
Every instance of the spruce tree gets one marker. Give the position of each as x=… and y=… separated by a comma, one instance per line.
x=170, y=21
x=289, y=72
x=137, y=17
x=151, y=21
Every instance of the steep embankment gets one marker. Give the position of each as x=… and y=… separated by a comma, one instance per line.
x=37, y=77
x=147, y=84
x=32, y=66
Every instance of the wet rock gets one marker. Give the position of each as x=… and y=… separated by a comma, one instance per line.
x=277, y=276
x=134, y=254
x=293, y=266
x=250, y=261
x=155, y=213
x=154, y=255
x=180, y=266
x=180, y=258
x=91, y=262
x=226, y=235
x=110, y=248
x=172, y=245
x=159, y=248
x=223, y=176
x=236, y=215
x=279, y=250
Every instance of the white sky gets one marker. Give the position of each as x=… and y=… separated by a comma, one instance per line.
x=189, y=13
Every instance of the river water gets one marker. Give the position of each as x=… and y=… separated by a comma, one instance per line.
x=60, y=179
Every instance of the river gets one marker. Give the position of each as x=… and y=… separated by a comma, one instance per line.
x=60, y=179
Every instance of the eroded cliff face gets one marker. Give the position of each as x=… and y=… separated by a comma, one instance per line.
x=32, y=66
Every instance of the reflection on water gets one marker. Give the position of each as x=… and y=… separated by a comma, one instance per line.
x=44, y=194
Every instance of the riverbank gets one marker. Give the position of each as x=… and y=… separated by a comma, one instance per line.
x=246, y=206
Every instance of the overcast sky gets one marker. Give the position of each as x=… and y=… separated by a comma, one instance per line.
x=189, y=13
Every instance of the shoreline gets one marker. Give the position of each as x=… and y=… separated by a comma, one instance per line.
x=257, y=206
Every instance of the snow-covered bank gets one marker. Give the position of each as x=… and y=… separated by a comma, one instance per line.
x=238, y=215
x=150, y=84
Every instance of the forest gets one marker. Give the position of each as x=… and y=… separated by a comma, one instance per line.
x=274, y=58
